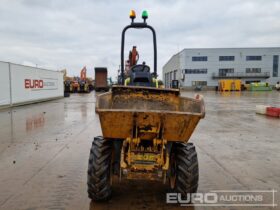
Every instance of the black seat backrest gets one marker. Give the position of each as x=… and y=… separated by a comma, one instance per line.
x=140, y=68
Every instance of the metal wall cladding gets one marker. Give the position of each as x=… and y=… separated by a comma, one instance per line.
x=28, y=84
x=4, y=84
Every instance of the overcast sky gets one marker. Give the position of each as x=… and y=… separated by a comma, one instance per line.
x=58, y=34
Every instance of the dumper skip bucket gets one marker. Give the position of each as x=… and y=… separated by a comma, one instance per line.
x=149, y=109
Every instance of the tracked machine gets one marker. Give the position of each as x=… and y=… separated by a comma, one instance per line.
x=83, y=81
x=145, y=130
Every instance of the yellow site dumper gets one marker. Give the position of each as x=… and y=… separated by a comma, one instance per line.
x=145, y=130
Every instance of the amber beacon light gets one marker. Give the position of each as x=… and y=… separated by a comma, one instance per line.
x=132, y=15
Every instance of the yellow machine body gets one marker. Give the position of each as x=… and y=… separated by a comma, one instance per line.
x=147, y=119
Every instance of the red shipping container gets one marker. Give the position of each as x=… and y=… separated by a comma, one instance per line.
x=273, y=111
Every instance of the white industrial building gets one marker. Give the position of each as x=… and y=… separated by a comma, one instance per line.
x=205, y=66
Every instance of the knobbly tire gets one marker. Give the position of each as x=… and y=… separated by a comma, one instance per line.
x=99, y=170
x=185, y=168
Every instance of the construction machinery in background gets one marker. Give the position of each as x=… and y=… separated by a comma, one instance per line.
x=101, y=79
x=132, y=60
x=90, y=83
x=82, y=84
x=66, y=82
x=145, y=130
x=75, y=88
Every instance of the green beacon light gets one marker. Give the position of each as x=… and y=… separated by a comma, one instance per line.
x=145, y=15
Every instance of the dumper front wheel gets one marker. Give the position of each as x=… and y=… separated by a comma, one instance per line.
x=99, y=170
x=184, y=169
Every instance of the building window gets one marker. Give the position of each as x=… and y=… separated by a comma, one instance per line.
x=275, y=65
x=195, y=71
x=253, y=58
x=166, y=79
x=223, y=72
x=226, y=58
x=175, y=74
x=199, y=83
x=253, y=70
x=199, y=58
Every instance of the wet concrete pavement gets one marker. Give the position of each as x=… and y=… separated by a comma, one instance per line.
x=44, y=152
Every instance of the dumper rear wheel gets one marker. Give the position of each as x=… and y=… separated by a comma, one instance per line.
x=184, y=168
x=99, y=170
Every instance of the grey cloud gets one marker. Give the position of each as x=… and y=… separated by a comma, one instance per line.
x=70, y=34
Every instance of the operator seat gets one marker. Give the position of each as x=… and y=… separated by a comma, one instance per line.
x=140, y=76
